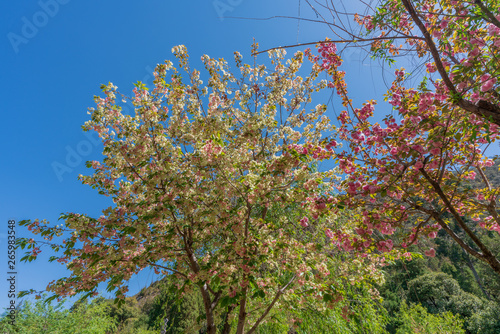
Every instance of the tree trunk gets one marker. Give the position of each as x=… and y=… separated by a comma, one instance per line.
x=227, y=325
x=242, y=314
x=211, y=329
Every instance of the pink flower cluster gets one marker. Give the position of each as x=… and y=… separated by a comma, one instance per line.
x=487, y=82
x=385, y=246
x=431, y=252
x=489, y=223
x=329, y=56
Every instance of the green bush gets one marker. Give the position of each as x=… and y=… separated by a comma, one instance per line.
x=46, y=318
x=487, y=320
x=416, y=319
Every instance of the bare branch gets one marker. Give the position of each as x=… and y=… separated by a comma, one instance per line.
x=356, y=40
x=275, y=299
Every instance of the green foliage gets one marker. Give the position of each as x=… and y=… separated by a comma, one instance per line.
x=359, y=313
x=416, y=319
x=362, y=318
x=44, y=317
x=448, y=309
x=182, y=313
x=439, y=292
x=434, y=291
x=487, y=320
x=130, y=317
x=395, y=289
x=443, y=284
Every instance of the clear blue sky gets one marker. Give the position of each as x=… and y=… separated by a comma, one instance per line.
x=54, y=56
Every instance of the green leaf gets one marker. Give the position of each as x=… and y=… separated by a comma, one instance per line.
x=259, y=294
x=216, y=282
x=327, y=297
x=225, y=301
x=48, y=300
x=24, y=222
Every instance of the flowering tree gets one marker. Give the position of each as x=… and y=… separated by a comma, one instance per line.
x=411, y=175
x=463, y=40
x=459, y=39
x=220, y=195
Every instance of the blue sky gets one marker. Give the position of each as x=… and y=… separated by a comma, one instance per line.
x=54, y=56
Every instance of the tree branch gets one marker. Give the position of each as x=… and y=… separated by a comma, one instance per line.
x=275, y=299
x=488, y=14
x=487, y=256
x=484, y=109
x=340, y=41
x=166, y=268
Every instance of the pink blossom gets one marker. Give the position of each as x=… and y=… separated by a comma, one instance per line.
x=431, y=68
x=431, y=252
x=437, y=33
x=493, y=30
x=487, y=82
x=444, y=24
x=474, y=52
x=329, y=233
x=435, y=151
x=471, y=175
x=475, y=97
